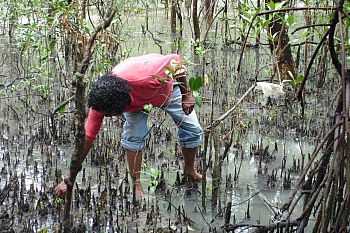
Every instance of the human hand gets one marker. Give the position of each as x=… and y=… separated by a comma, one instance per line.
x=187, y=103
x=60, y=190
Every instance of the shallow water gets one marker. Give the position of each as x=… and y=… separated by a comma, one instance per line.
x=249, y=183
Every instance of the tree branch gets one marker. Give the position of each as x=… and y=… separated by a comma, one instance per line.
x=270, y=12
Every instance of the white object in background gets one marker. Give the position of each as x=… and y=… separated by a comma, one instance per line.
x=270, y=89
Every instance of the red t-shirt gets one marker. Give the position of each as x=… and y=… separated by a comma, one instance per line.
x=150, y=85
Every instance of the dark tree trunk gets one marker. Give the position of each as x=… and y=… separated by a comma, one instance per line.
x=281, y=49
x=173, y=23
x=195, y=20
x=226, y=23
x=79, y=116
x=209, y=10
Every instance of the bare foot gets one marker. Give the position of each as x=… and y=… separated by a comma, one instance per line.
x=195, y=176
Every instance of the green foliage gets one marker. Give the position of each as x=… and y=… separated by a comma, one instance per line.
x=62, y=109
x=198, y=47
x=59, y=201
x=303, y=36
x=148, y=107
x=154, y=176
x=46, y=33
x=43, y=90
x=294, y=81
x=199, y=50
x=275, y=5
x=197, y=98
x=272, y=114
x=43, y=230
x=194, y=84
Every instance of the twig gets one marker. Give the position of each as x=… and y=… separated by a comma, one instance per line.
x=17, y=96
x=156, y=41
x=5, y=192
x=310, y=26
x=64, y=103
x=307, y=72
x=87, y=55
x=6, y=86
x=226, y=114
x=269, y=205
x=211, y=23
x=331, y=47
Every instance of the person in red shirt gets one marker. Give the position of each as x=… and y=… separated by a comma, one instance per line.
x=132, y=84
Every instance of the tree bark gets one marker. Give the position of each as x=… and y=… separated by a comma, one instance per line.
x=195, y=20
x=79, y=137
x=209, y=11
x=173, y=23
x=280, y=48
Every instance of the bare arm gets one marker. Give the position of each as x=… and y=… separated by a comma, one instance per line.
x=61, y=188
x=187, y=98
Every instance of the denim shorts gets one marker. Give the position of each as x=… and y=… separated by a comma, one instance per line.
x=136, y=131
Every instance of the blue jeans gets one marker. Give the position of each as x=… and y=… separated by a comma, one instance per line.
x=136, y=131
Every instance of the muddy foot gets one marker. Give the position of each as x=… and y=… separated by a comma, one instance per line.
x=194, y=176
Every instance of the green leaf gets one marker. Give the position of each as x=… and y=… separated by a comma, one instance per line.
x=299, y=80
x=148, y=107
x=279, y=5
x=43, y=230
x=173, y=64
x=86, y=29
x=169, y=72
x=163, y=80
x=291, y=74
x=245, y=18
x=346, y=7
x=289, y=19
x=59, y=201
x=195, y=83
x=157, y=76
x=61, y=109
x=197, y=98
x=271, y=5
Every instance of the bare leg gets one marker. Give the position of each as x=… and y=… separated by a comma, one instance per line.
x=189, y=157
x=134, y=161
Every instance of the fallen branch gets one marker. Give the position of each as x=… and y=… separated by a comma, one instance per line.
x=262, y=228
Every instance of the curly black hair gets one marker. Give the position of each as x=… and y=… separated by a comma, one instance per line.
x=110, y=95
